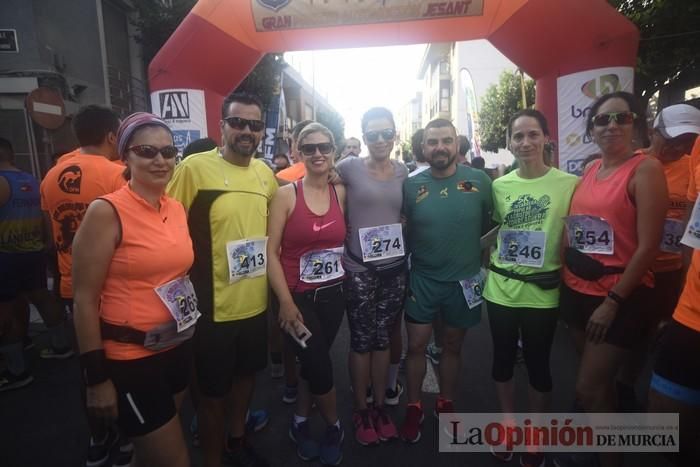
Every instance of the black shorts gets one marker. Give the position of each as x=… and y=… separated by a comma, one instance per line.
x=677, y=368
x=146, y=386
x=667, y=290
x=21, y=272
x=632, y=323
x=223, y=351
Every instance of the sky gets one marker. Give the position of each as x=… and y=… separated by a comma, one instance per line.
x=354, y=80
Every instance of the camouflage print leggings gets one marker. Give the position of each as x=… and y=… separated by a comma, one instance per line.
x=373, y=305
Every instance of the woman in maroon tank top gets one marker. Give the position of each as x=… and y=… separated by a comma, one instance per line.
x=306, y=231
x=613, y=232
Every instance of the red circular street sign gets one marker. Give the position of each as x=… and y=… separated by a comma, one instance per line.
x=46, y=107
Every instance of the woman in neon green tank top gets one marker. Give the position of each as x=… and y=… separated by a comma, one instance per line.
x=521, y=292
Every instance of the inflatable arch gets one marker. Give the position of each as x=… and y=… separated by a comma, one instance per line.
x=576, y=50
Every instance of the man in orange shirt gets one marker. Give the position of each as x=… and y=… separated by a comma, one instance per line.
x=75, y=181
x=675, y=383
x=297, y=170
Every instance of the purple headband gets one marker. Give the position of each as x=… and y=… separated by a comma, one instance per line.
x=131, y=124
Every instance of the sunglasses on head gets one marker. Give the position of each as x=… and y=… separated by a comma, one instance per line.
x=387, y=135
x=310, y=149
x=240, y=123
x=150, y=152
x=621, y=118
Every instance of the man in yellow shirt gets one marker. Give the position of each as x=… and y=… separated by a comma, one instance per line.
x=227, y=195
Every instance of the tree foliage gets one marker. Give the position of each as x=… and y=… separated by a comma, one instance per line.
x=669, y=55
x=156, y=21
x=500, y=101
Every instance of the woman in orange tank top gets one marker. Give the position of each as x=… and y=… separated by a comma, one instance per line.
x=613, y=232
x=135, y=308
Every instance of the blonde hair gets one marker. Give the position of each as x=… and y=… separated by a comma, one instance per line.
x=314, y=127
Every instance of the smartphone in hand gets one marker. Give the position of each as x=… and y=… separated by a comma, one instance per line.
x=301, y=335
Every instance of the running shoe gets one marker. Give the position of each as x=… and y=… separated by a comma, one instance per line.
x=383, y=425
x=365, y=433
x=331, y=452
x=10, y=381
x=123, y=455
x=307, y=448
x=503, y=456
x=276, y=370
x=59, y=354
x=256, y=420
x=98, y=452
x=392, y=396
x=443, y=406
x=289, y=396
x=528, y=459
x=410, y=430
x=244, y=456
x=433, y=353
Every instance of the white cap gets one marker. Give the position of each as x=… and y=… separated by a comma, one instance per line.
x=678, y=119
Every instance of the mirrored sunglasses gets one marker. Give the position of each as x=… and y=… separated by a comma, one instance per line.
x=621, y=118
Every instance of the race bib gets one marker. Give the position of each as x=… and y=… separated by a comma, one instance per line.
x=524, y=247
x=181, y=301
x=472, y=289
x=381, y=242
x=321, y=265
x=671, y=239
x=691, y=237
x=246, y=258
x=590, y=234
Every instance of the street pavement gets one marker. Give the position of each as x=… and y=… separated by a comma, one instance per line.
x=42, y=425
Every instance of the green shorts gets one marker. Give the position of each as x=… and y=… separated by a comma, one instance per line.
x=427, y=297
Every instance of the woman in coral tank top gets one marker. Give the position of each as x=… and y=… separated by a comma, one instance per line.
x=613, y=232
x=135, y=308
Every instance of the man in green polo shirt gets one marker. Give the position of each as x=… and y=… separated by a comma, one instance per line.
x=448, y=208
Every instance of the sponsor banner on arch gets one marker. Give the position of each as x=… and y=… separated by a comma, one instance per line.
x=184, y=112
x=271, y=15
x=575, y=96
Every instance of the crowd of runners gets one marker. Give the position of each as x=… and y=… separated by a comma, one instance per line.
x=185, y=280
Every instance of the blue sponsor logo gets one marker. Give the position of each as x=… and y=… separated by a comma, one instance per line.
x=182, y=138
x=274, y=5
x=575, y=166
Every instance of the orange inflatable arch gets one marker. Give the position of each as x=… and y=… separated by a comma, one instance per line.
x=554, y=41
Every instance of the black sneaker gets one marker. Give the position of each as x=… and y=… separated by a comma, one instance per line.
x=122, y=454
x=244, y=456
x=98, y=452
x=10, y=381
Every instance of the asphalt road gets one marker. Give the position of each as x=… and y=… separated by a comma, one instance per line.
x=43, y=425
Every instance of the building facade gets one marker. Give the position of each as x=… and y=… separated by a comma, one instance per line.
x=82, y=49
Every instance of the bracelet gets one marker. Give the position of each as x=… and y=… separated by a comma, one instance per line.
x=615, y=297
x=93, y=367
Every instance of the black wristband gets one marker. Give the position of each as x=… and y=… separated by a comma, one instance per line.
x=93, y=367
x=615, y=297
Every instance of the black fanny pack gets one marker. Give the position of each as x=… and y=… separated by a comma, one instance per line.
x=384, y=271
x=159, y=338
x=325, y=293
x=587, y=268
x=544, y=280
